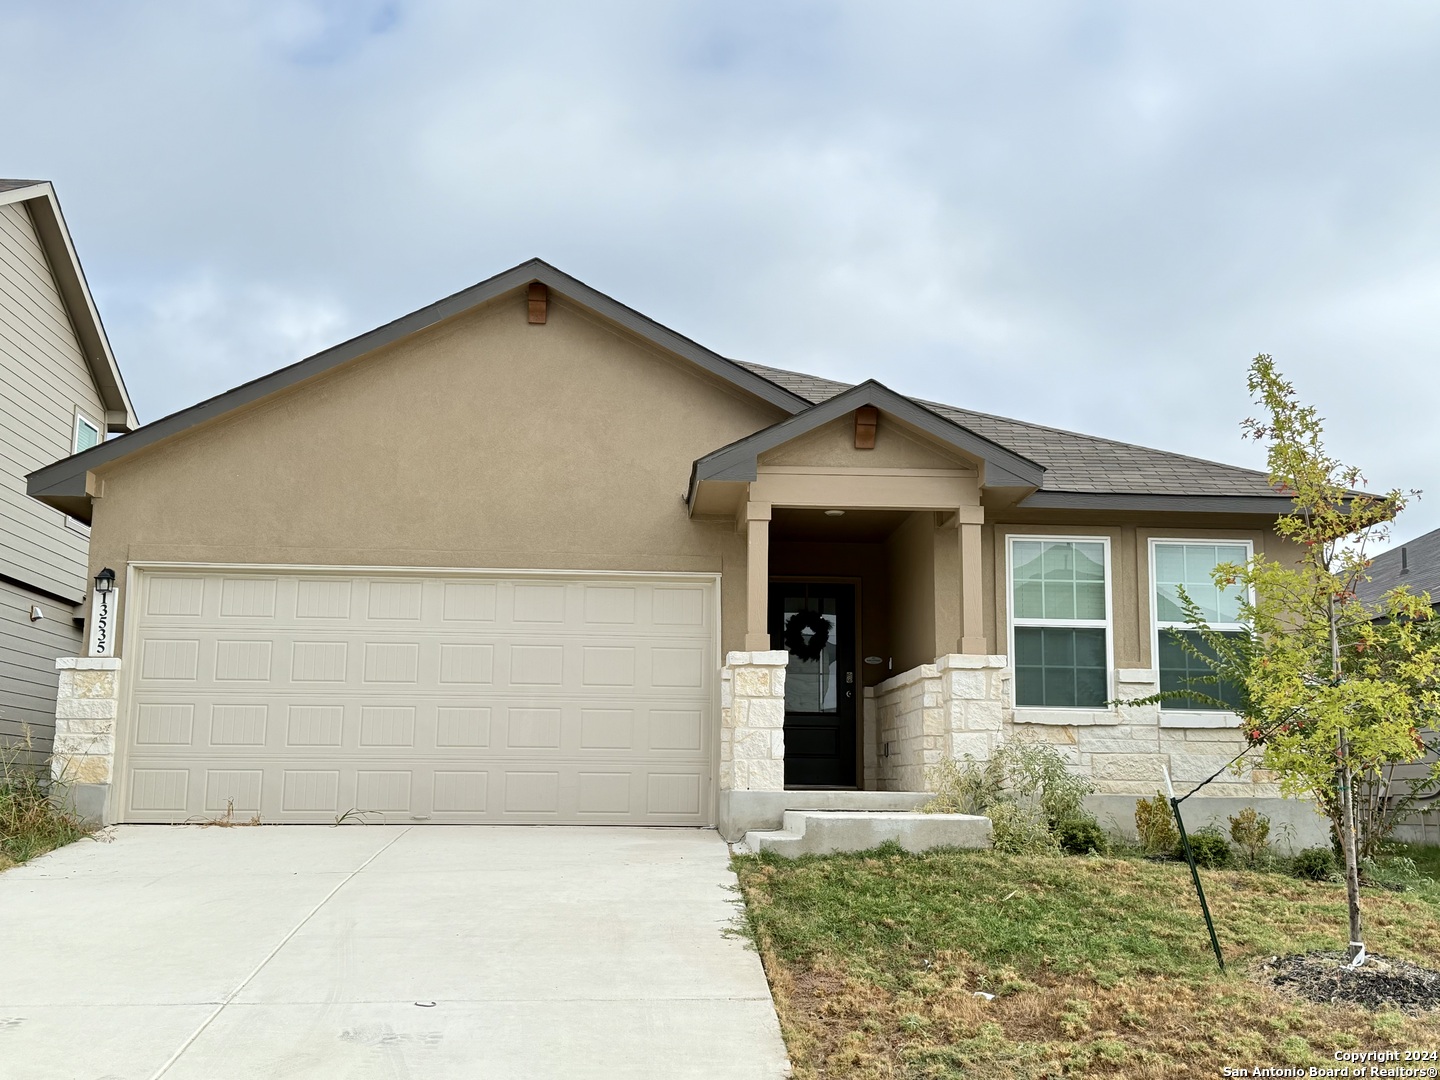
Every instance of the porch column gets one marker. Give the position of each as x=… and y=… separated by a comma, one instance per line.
x=757, y=577
x=972, y=609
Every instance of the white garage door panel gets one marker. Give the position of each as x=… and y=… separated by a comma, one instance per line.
x=306, y=697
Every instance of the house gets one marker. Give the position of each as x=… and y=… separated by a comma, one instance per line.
x=1416, y=565
x=526, y=555
x=60, y=393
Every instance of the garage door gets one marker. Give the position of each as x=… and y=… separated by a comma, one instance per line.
x=306, y=697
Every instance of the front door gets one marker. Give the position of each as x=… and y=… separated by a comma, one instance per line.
x=815, y=623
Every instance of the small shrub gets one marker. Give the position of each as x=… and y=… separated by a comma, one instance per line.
x=1210, y=848
x=1081, y=836
x=1036, y=772
x=1025, y=788
x=966, y=787
x=1155, y=825
x=1250, y=831
x=1316, y=864
x=1020, y=830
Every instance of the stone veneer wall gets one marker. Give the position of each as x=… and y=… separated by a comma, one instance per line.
x=964, y=705
x=85, y=711
x=947, y=709
x=752, y=721
x=908, y=732
x=869, y=739
x=1125, y=750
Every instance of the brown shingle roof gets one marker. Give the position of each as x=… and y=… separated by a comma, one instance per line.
x=1072, y=462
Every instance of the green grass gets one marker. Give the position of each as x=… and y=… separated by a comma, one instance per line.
x=1426, y=859
x=1101, y=966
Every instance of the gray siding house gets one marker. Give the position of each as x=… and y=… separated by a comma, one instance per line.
x=60, y=393
x=1416, y=564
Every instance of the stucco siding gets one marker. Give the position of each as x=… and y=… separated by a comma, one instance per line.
x=45, y=377
x=28, y=651
x=912, y=591
x=833, y=445
x=484, y=442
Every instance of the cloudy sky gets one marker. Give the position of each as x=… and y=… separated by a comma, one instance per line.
x=1087, y=215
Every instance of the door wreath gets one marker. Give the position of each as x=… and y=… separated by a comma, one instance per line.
x=795, y=640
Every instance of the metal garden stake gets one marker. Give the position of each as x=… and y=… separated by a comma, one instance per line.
x=1190, y=858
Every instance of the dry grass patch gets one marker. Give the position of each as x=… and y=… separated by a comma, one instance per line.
x=1099, y=966
x=31, y=823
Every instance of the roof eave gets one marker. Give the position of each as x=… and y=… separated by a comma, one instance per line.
x=50, y=227
x=64, y=473
x=70, y=494
x=1271, y=505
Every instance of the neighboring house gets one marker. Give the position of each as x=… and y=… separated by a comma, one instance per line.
x=60, y=392
x=1416, y=565
x=528, y=556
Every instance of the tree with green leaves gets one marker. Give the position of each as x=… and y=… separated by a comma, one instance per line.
x=1331, y=691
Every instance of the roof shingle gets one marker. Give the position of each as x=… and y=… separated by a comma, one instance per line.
x=1072, y=462
x=1420, y=559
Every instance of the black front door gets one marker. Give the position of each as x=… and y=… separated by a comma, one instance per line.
x=815, y=622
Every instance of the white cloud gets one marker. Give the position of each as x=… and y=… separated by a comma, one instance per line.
x=1089, y=216
x=206, y=335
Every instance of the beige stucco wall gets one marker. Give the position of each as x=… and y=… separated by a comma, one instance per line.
x=490, y=442
x=896, y=447
x=484, y=442
x=911, y=553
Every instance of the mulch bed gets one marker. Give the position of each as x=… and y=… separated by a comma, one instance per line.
x=1379, y=983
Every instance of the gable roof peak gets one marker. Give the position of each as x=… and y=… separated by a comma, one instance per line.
x=739, y=460
x=38, y=198
x=62, y=484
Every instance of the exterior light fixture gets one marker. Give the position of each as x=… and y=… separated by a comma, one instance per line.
x=105, y=580
x=834, y=513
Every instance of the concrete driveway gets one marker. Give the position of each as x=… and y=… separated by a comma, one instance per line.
x=381, y=951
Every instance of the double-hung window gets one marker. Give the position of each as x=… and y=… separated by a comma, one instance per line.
x=1060, y=622
x=1190, y=565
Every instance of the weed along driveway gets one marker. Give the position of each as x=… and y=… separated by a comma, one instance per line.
x=189, y=953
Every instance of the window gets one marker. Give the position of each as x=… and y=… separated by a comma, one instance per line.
x=87, y=433
x=1175, y=565
x=1060, y=622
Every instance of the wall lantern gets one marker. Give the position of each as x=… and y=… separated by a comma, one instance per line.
x=105, y=580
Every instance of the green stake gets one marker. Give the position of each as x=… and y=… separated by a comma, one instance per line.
x=1194, y=873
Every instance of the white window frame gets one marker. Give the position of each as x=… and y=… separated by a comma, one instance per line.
x=1108, y=625
x=82, y=418
x=1156, y=626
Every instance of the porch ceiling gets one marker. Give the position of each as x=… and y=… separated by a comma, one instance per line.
x=856, y=526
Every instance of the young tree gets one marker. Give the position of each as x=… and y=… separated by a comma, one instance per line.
x=1332, y=692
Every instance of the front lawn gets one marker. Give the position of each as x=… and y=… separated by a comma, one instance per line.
x=1099, y=966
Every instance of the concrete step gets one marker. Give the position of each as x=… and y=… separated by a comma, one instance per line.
x=753, y=811
x=777, y=840
x=824, y=832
